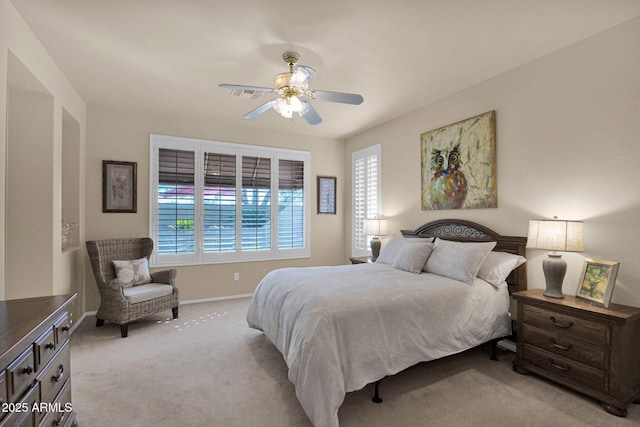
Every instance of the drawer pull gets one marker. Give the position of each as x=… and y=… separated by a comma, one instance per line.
x=59, y=421
x=561, y=347
x=560, y=325
x=58, y=377
x=50, y=345
x=559, y=367
x=28, y=370
x=66, y=327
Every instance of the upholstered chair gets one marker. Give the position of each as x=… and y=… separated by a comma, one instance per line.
x=129, y=292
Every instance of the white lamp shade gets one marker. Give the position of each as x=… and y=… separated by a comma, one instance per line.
x=556, y=235
x=375, y=227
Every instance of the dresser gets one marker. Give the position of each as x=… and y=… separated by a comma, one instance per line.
x=588, y=348
x=35, y=381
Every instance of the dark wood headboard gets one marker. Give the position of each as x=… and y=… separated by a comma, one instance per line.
x=461, y=230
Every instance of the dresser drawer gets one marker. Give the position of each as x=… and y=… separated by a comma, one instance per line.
x=591, y=355
x=22, y=414
x=62, y=327
x=61, y=413
x=20, y=374
x=592, y=332
x=45, y=348
x=559, y=366
x=54, y=375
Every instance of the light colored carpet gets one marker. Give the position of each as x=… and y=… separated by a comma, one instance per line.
x=209, y=369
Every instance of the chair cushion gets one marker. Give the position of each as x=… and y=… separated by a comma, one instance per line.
x=141, y=293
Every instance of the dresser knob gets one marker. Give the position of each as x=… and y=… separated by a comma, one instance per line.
x=50, y=345
x=560, y=325
x=28, y=370
x=66, y=327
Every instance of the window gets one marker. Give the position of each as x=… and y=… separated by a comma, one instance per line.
x=366, y=180
x=212, y=202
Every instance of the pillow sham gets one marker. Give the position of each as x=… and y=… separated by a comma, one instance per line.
x=498, y=265
x=390, y=250
x=458, y=260
x=412, y=257
x=132, y=272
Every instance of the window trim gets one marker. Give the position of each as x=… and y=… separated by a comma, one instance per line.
x=355, y=156
x=199, y=146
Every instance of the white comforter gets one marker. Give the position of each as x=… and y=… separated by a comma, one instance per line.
x=341, y=328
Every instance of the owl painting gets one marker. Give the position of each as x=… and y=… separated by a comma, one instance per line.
x=458, y=165
x=448, y=186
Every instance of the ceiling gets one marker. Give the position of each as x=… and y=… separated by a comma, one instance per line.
x=169, y=56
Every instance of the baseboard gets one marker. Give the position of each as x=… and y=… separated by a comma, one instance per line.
x=195, y=301
x=192, y=301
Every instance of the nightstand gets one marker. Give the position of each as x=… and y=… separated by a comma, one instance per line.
x=360, y=259
x=588, y=348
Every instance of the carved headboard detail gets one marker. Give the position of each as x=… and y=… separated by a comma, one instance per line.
x=461, y=230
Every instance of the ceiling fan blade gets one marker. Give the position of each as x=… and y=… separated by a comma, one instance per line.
x=310, y=114
x=302, y=76
x=261, y=109
x=241, y=87
x=344, y=98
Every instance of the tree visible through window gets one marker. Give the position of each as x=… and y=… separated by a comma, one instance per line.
x=212, y=202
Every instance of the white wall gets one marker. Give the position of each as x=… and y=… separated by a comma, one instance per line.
x=35, y=96
x=114, y=134
x=567, y=145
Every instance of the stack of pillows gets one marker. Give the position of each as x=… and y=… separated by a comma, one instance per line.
x=463, y=261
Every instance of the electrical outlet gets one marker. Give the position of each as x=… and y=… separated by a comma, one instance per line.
x=236, y=276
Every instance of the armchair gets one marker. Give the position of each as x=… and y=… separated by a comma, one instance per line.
x=121, y=304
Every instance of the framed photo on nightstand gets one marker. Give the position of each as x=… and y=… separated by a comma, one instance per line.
x=597, y=280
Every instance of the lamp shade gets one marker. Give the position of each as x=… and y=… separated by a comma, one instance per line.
x=556, y=235
x=375, y=227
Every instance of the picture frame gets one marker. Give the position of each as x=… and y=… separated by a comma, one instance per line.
x=119, y=187
x=327, y=195
x=458, y=165
x=597, y=280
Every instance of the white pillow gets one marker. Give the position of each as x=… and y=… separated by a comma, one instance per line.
x=412, y=257
x=498, y=265
x=133, y=272
x=458, y=260
x=390, y=250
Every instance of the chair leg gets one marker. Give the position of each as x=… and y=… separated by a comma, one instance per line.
x=99, y=322
x=175, y=312
x=124, y=330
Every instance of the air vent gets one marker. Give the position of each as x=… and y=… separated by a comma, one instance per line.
x=246, y=94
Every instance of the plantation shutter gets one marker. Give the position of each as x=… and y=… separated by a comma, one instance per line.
x=256, y=203
x=219, y=207
x=366, y=188
x=290, y=204
x=176, y=201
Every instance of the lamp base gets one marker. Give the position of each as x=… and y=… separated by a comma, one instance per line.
x=554, y=268
x=375, y=248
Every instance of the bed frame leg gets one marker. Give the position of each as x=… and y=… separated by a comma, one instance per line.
x=376, y=395
x=494, y=347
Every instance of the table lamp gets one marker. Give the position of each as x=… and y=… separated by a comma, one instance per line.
x=375, y=227
x=555, y=235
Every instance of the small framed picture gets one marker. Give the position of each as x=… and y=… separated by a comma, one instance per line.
x=119, y=187
x=327, y=195
x=597, y=280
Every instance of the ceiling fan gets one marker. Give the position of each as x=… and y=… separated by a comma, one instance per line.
x=293, y=88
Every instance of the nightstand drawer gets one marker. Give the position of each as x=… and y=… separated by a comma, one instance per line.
x=591, y=355
x=592, y=332
x=559, y=366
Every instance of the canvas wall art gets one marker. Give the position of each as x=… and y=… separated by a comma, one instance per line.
x=458, y=165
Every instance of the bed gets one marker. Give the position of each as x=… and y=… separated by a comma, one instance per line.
x=340, y=328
